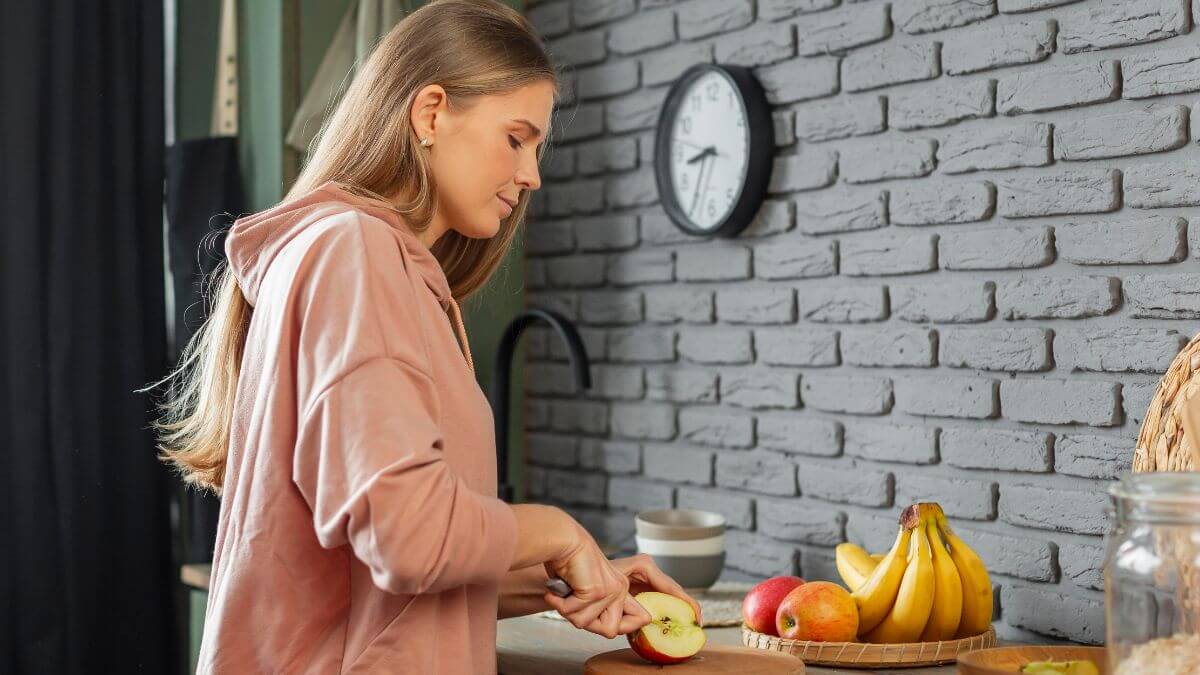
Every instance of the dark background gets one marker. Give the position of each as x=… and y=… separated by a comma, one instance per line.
x=84, y=516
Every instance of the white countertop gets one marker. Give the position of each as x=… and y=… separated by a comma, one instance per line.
x=534, y=645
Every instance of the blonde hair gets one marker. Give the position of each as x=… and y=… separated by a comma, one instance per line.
x=471, y=48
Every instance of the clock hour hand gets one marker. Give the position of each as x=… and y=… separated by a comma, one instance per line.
x=710, y=150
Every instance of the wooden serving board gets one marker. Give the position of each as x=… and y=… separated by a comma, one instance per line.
x=714, y=660
x=1012, y=659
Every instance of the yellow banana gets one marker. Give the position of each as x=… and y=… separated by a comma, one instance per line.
x=878, y=593
x=854, y=564
x=947, y=596
x=976, y=584
x=877, y=557
x=914, y=600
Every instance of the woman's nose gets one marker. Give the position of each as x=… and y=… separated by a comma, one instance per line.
x=528, y=176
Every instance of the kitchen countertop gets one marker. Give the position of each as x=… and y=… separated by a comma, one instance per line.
x=534, y=645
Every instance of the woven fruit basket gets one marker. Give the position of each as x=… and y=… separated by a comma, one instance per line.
x=1170, y=441
x=1163, y=444
x=864, y=655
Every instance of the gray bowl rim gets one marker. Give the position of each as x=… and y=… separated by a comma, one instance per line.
x=679, y=524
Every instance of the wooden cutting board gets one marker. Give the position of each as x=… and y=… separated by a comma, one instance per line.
x=714, y=660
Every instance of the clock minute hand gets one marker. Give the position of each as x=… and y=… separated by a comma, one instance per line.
x=699, y=179
x=708, y=177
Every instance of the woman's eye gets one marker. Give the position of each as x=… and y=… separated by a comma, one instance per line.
x=514, y=142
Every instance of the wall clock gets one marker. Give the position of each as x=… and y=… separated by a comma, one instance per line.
x=714, y=150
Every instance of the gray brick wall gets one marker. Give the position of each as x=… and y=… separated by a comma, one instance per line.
x=977, y=257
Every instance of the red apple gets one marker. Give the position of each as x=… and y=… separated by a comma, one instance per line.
x=762, y=602
x=818, y=610
x=673, y=634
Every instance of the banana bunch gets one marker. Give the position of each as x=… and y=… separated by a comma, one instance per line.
x=930, y=586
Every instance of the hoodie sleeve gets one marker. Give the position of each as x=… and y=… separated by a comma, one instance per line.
x=368, y=458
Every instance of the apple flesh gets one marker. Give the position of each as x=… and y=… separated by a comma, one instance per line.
x=673, y=634
x=762, y=602
x=819, y=610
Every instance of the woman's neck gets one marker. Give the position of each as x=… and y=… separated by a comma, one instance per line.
x=437, y=225
x=431, y=234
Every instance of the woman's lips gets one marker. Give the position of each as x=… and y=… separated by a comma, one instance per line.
x=507, y=209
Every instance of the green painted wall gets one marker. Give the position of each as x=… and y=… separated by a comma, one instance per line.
x=195, y=62
x=319, y=20
x=486, y=316
x=197, y=607
x=268, y=92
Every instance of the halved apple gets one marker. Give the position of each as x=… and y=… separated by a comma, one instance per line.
x=672, y=636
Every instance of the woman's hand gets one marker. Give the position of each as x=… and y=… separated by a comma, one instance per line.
x=644, y=575
x=601, y=602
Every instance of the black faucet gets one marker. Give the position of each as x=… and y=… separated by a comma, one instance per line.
x=503, y=375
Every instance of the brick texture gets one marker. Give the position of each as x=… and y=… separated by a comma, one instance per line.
x=987, y=47
x=976, y=258
x=996, y=448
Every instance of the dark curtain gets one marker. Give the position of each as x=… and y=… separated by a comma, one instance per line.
x=85, y=552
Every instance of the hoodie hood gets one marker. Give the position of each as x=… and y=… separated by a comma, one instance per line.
x=253, y=241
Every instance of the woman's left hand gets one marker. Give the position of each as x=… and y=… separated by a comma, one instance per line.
x=644, y=575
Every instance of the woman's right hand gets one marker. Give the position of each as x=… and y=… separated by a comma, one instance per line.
x=601, y=602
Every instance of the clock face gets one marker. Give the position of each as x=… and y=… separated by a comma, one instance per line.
x=714, y=150
x=710, y=149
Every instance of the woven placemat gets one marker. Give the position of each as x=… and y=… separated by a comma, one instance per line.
x=720, y=604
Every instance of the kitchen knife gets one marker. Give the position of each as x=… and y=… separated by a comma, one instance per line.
x=561, y=588
x=557, y=586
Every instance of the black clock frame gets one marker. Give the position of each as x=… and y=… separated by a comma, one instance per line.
x=761, y=144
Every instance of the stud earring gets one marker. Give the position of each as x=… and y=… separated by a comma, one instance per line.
x=425, y=142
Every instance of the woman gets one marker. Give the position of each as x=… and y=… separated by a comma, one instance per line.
x=330, y=398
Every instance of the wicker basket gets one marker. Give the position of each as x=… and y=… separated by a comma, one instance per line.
x=864, y=655
x=1162, y=444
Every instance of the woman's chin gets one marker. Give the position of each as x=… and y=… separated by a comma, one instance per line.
x=484, y=230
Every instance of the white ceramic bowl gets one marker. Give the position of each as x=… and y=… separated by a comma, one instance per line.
x=687, y=544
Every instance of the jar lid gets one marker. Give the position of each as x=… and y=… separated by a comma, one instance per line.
x=1158, y=485
x=1169, y=496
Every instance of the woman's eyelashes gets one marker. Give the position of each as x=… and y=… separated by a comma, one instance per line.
x=514, y=142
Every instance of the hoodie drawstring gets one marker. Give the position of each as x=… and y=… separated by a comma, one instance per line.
x=461, y=332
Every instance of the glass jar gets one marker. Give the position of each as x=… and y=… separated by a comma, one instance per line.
x=1152, y=574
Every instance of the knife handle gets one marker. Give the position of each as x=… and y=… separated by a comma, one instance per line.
x=559, y=587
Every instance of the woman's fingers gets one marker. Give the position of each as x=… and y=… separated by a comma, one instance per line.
x=607, y=623
x=641, y=568
x=610, y=586
x=580, y=613
x=629, y=616
x=621, y=616
x=601, y=602
x=635, y=616
x=568, y=605
x=610, y=619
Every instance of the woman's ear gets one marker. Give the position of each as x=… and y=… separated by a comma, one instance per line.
x=428, y=106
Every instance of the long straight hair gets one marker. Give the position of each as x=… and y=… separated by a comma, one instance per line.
x=472, y=48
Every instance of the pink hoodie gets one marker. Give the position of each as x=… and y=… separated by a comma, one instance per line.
x=359, y=528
